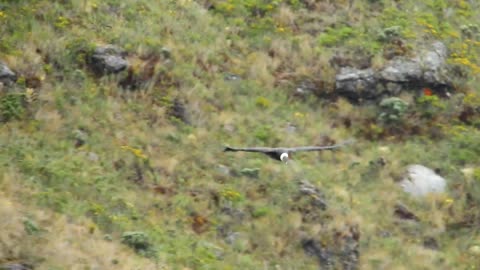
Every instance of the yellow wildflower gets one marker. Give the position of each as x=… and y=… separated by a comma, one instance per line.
x=453, y=34
x=262, y=102
x=137, y=152
x=229, y=7
x=231, y=195
x=299, y=115
x=29, y=95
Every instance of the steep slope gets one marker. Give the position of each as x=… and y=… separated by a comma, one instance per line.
x=111, y=156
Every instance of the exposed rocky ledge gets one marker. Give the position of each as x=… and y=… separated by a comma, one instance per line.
x=427, y=69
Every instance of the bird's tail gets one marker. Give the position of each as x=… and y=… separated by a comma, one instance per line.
x=228, y=149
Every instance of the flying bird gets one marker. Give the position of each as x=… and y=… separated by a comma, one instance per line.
x=284, y=153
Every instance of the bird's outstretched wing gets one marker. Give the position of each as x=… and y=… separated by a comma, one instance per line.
x=319, y=148
x=285, y=150
x=249, y=149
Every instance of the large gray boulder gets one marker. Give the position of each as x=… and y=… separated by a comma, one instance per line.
x=427, y=69
x=108, y=59
x=420, y=181
x=401, y=71
x=7, y=76
x=356, y=84
x=433, y=64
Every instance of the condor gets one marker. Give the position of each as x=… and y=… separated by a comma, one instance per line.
x=284, y=153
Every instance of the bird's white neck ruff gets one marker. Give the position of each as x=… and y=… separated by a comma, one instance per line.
x=284, y=157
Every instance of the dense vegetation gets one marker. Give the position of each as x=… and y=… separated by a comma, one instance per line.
x=127, y=171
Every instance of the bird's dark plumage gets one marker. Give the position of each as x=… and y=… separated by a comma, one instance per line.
x=276, y=153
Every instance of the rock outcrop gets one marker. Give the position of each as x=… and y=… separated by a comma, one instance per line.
x=427, y=69
x=108, y=59
x=356, y=84
x=7, y=76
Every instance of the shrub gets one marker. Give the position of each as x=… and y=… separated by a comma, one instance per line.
x=390, y=33
x=476, y=174
x=465, y=145
x=31, y=227
x=260, y=212
x=392, y=110
x=11, y=107
x=264, y=134
x=139, y=241
x=470, y=30
x=429, y=106
x=262, y=102
x=332, y=37
x=250, y=172
x=231, y=195
x=78, y=49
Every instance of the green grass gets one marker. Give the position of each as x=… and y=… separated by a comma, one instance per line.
x=148, y=190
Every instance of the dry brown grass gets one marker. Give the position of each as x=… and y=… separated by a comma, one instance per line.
x=61, y=242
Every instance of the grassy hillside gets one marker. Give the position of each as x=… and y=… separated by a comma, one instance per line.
x=126, y=171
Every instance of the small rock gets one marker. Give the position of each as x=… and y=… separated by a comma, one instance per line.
x=431, y=243
x=237, y=214
x=178, y=111
x=231, y=77
x=318, y=197
x=350, y=254
x=107, y=59
x=305, y=88
x=402, y=212
x=222, y=169
x=291, y=128
x=232, y=237
x=420, y=181
x=384, y=234
x=166, y=53
x=92, y=157
x=80, y=137
x=323, y=254
x=7, y=76
x=300, y=92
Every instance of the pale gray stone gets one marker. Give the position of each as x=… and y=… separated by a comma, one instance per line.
x=420, y=181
